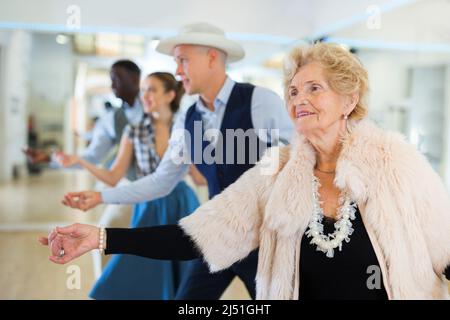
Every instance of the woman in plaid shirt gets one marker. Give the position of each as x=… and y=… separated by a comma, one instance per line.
x=143, y=145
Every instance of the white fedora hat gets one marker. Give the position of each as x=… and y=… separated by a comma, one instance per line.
x=203, y=34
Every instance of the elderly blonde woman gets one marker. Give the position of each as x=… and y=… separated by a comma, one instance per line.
x=346, y=203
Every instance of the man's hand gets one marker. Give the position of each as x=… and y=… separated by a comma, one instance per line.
x=36, y=156
x=68, y=243
x=84, y=200
x=66, y=160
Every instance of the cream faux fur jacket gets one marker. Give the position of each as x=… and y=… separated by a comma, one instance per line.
x=403, y=203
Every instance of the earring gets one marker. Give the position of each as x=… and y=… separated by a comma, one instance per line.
x=346, y=123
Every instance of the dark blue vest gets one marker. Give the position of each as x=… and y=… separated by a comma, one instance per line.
x=220, y=174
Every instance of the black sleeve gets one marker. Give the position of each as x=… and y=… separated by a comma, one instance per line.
x=168, y=242
x=447, y=273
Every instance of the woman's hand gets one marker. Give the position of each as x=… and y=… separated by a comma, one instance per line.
x=75, y=240
x=84, y=200
x=66, y=160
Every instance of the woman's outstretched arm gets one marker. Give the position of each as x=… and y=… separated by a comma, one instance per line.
x=160, y=242
x=167, y=242
x=109, y=176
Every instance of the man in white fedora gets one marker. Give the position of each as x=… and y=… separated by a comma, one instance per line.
x=201, y=52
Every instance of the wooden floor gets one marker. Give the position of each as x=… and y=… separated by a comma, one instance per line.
x=30, y=207
x=26, y=272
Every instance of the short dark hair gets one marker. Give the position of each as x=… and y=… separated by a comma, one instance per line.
x=128, y=65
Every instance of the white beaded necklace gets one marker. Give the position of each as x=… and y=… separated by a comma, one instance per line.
x=343, y=227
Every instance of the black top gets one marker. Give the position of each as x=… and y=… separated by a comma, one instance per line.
x=342, y=277
x=353, y=273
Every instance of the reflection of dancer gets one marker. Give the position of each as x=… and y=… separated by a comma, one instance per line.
x=132, y=277
x=223, y=106
x=386, y=208
x=32, y=166
x=125, y=77
x=108, y=129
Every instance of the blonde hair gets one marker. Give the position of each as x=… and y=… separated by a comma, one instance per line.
x=344, y=72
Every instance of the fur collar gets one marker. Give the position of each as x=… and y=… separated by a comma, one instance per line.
x=365, y=147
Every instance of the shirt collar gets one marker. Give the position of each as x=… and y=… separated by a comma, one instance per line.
x=221, y=99
x=136, y=104
x=146, y=120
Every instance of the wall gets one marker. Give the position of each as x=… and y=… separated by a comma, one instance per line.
x=51, y=86
x=446, y=168
x=403, y=100
x=14, y=70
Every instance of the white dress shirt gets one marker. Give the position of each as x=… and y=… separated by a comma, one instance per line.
x=267, y=112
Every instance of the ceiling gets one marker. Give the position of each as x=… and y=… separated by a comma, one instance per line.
x=264, y=27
